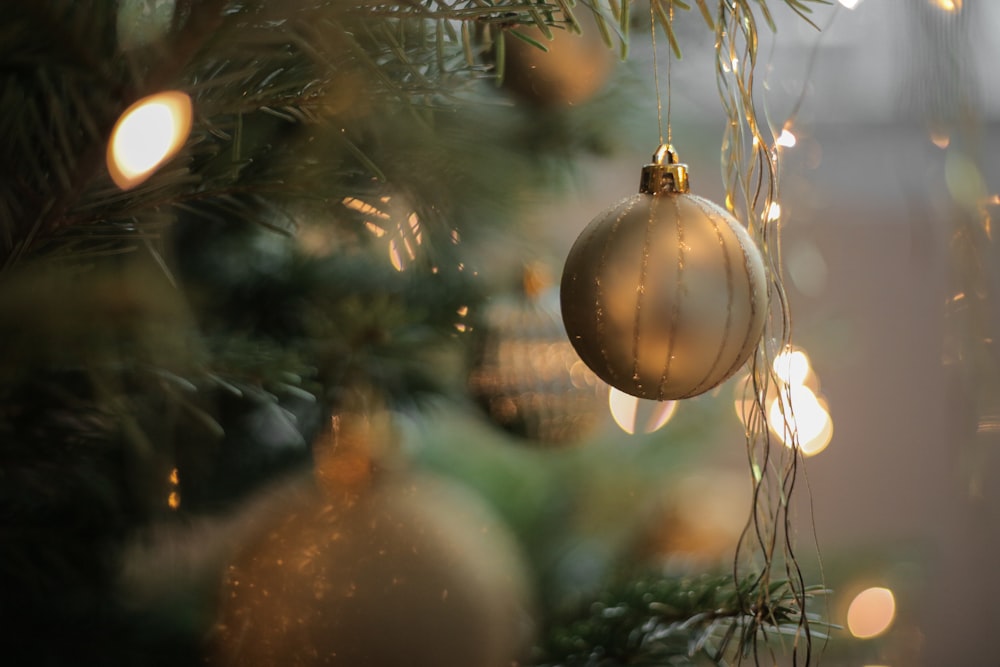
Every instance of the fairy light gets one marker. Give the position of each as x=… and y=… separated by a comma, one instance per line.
x=786, y=139
x=174, y=498
x=948, y=5
x=871, y=612
x=803, y=418
x=633, y=414
x=773, y=211
x=792, y=366
x=808, y=419
x=149, y=133
x=462, y=327
x=940, y=139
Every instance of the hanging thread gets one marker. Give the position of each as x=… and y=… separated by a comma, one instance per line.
x=656, y=72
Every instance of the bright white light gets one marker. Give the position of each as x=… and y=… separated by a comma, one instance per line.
x=149, y=133
x=807, y=417
x=786, y=139
x=871, y=612
x=948, y=5
x=773, y=211
x=792, y=366
x=850, y=4
x=635, y=414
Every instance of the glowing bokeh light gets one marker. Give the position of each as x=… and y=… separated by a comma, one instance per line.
x=941, y=139
x=149, y=133
x=871, y=612
x=773, y=211
x=174, y=498
x=807, y=268
x=638, y=415
x=850, y=4
x=792, y=366
x=808, y=417
x=786, y=139
x=948, y=5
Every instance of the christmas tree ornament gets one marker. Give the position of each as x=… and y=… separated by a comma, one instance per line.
x=526, y=375
x=412, y=571
x=664, y=294
x=570, y=70
x=147, y=134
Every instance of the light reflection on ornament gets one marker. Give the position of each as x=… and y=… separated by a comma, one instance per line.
x=634, y=414
x=149, y=133
x=871, y=612
x=850, y=4
x=786, y=139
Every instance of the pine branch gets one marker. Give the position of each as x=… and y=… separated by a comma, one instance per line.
x=308, y=63
x=654, y=619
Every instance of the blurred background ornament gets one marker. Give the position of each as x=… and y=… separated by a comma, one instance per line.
x=526, y=375
x=570, y=67
x=664, y=295
x=376, y=569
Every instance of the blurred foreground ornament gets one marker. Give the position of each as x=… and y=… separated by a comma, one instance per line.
x=572, y=68
x=527, y=377
x=399, y=570
x=147, y=134
x=664, y=295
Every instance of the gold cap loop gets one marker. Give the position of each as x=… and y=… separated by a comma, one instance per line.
x=665, y=175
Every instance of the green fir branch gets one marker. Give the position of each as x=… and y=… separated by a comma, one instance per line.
x=652, y=618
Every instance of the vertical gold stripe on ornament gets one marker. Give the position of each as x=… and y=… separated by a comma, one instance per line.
x=599, y=295
x=641, y=292
x=679, y=288
x=710, y=376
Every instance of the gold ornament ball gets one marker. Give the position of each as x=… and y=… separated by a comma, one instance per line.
x=573, y=69
x=664, y=295
x=413, y=571
x=527, y=377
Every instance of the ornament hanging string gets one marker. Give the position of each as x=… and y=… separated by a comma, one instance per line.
x=653, y=6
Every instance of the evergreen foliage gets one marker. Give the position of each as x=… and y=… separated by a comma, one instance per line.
x=158, y=328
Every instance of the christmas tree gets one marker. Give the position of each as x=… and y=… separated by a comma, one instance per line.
x=282, y=381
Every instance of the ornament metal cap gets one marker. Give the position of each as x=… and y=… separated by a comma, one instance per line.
x=665, y=175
